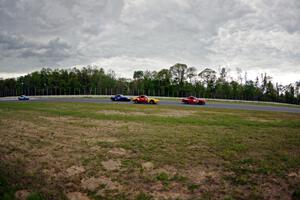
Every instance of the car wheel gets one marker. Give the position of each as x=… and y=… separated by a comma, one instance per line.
x=152, y=102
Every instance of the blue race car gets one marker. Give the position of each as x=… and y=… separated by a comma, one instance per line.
x=119, y=97
x=23, y=98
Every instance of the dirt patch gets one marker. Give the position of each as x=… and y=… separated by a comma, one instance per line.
x=257, y=119
x=90, y=184
x=172, y=191
x=108, y=139
x=294, y=174
x=212, y=112
x=111, y=165
x=77, y=196
x=118, y=152
x=93, y=183
x=275, y=191
x=169, y=195
x=147, y=166
x=175, y=113
x=22, y=194
x=60, y=118
x=217, y=112
x=167, y=169
x=162, y=112
x=85, y=123
x=116, y=112
x=200, y=176
x=74, y=170
x=109, y=184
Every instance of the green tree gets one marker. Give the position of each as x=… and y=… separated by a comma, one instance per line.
x=179, y=72
x=138, y=75
x=191, y=73
x=208, y=77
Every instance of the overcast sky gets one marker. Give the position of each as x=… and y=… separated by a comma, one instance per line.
x=126, y=35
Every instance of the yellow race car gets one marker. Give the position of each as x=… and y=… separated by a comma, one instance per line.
x=144, y=99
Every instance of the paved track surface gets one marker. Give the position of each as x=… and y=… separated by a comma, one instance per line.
x=169, y=102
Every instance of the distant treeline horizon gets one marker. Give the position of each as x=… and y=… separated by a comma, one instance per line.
x=178, y=80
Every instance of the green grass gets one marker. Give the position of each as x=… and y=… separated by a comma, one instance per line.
x=34, y=196
x=234, y=150
x=163, y=177
x=143, y=196
x=6, y=191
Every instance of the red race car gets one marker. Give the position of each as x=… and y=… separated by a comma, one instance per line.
x=193, y=100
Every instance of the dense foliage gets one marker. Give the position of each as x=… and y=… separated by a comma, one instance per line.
x=178, y=80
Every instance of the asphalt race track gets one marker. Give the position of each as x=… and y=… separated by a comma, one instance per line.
x=169, y=102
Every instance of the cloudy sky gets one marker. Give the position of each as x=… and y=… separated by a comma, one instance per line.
x=126, y=35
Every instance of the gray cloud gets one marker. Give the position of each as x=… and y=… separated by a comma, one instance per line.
x=54, y=50
x=125, y=35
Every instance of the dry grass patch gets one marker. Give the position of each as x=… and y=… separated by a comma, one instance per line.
x=111, y=165
x=160, y=112
x=77, y=196
x=259, y=119
x=116, y=112
x=56, y=147
x=175, y=113
x=118, y=152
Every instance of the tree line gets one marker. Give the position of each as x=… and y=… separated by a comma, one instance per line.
x=177, y=81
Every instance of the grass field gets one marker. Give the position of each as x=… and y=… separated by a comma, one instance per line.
x=111, y=151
